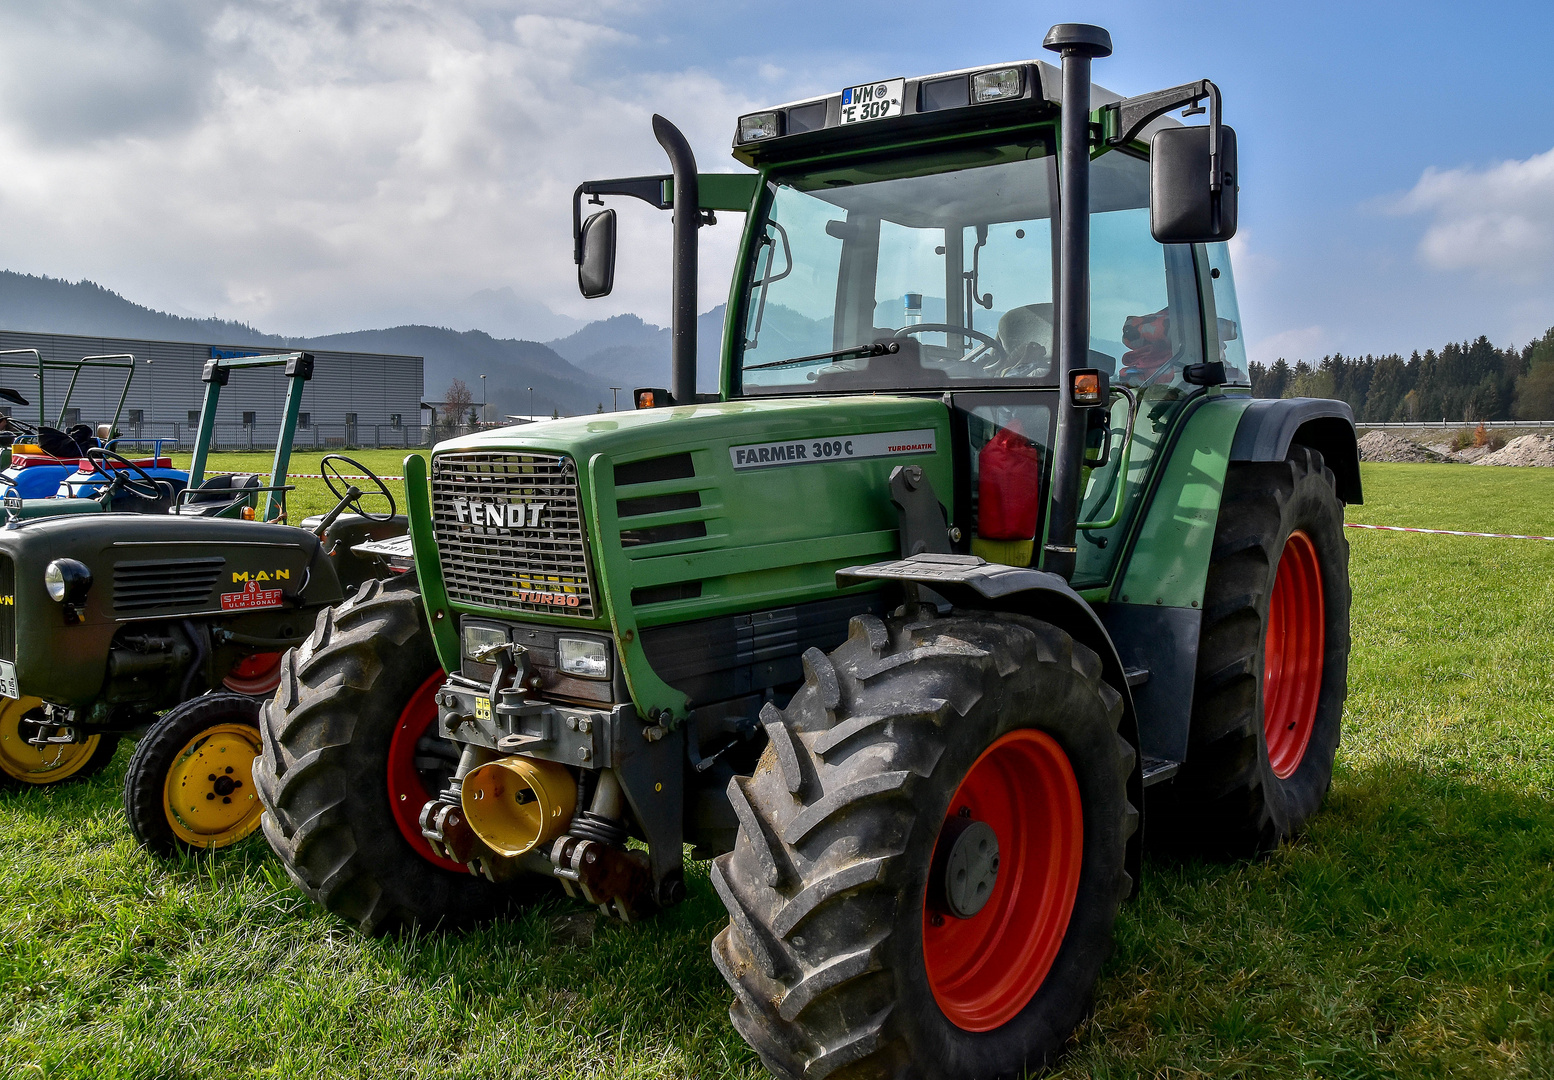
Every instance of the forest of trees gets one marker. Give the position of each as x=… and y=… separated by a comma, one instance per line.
x=1461, y=383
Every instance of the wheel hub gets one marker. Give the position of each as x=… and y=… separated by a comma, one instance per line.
x=971, y=869
x=208, y=795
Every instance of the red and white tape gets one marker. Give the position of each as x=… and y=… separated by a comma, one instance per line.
x=339, y=476
x=1443, y=532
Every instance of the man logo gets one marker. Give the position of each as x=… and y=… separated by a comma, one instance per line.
x=501, y=515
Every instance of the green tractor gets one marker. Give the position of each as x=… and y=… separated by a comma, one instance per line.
x=110, y=615
x=981, y=557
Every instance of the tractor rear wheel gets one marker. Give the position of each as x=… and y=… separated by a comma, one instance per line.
x=931, y=853
x=24, y=765
x=1273, y=661
x=342, y=776
x=190, y=782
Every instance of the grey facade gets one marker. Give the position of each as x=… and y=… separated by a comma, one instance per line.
x=353, y=399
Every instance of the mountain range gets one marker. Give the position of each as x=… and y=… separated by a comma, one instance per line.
x=569, y=374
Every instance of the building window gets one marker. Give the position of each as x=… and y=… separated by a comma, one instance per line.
x=72, y=417
x=250, y=419
x=304, y=420
x=350, y=419
x=194, y=418
x=137, y=417
x=394, y=420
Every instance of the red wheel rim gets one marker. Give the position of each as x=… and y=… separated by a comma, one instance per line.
x=257, y=675
x=407, y=792
x=985, y=969
x=1292, y=655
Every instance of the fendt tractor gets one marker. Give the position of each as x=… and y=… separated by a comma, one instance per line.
x=111, y=613
x=981, y=555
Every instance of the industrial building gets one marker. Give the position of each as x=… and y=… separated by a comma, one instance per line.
x=354, y=398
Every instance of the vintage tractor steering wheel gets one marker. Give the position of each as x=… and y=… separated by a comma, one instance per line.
x=990, y=343
x=128, y=477
x=350, y=495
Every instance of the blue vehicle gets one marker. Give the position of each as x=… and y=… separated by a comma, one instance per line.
x=48, y=461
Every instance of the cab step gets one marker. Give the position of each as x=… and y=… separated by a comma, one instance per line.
x=1158, y=769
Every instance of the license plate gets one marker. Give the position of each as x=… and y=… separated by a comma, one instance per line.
x=873, y=101
x=8, y=680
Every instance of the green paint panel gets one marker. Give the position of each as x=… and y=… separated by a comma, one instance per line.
x=774, y=535
x=1171, y=556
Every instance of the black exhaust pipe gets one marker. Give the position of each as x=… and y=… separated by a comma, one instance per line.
x=687, y=219
x=1078, y=44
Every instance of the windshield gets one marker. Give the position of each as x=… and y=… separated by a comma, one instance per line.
x=947, y=256
x=938, y=269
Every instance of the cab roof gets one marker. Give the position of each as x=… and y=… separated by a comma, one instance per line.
x=940, y=103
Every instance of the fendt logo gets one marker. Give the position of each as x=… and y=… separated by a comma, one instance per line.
x=500, y=515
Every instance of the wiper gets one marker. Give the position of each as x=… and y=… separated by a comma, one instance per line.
x=877, y=348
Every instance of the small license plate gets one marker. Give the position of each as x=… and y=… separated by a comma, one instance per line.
x=8, y=680
x=872, y=101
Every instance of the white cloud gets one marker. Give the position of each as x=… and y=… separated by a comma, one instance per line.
x=1498, y=220
x=1307, y=343
x=322, y=165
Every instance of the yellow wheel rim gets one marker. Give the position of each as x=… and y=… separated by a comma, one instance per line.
x=37, y=764
x=209, y=792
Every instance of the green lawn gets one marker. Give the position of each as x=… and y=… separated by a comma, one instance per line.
x=1410, y=933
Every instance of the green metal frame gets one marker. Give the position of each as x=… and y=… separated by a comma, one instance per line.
x=122, y=361
x=215, y=377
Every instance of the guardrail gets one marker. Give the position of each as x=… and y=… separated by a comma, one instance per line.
x=1458, y=424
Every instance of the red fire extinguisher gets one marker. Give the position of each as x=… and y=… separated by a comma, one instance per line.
x=1009, y=474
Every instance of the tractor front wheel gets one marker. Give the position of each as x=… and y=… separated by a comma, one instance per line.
x=931, y=853
x=350, y=753
x=1273, y=662
x=23, y=764
x=190, y=783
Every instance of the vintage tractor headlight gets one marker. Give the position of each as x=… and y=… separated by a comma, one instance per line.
x=481, y=643
x=584, y=658
x=67, y=581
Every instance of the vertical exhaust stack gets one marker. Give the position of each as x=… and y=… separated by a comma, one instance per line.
x=687, y=219
x=1078, y=44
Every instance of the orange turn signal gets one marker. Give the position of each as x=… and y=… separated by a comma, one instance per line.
x=1089, y=388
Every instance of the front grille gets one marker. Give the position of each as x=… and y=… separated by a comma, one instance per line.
x=164, y=583
x=483, y=504
x=7, y=608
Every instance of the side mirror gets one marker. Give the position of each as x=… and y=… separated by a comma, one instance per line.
x=596, y=270
x=1184, y=208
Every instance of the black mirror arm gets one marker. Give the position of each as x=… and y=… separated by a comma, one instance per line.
x=1131, y=114
x=650, y=189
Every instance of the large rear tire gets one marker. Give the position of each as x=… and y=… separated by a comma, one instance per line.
x=1273, y=661
x=875, y=931
x=338, y=806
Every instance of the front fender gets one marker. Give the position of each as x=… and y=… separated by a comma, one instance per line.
x=971, y=582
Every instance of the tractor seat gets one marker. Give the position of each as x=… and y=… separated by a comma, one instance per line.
x=220, y=493
x=1025, y=335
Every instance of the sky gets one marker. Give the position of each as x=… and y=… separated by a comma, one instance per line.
x=313, y=166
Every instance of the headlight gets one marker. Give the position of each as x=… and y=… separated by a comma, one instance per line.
x=758, y=126
x=480, y=642
x=584, y=657
x=67, y=581
x=996, y=85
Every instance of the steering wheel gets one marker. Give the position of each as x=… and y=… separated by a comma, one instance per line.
x=350, y=495
x=990, y=343
x=128, y=476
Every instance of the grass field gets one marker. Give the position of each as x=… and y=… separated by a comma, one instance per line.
x=1410, y=933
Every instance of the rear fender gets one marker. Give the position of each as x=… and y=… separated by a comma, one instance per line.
x=971, y=582
x=1270, y=426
